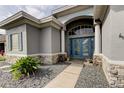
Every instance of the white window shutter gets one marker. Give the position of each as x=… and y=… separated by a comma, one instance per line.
x=20, y=42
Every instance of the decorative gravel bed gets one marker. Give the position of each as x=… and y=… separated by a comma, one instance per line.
x=2, y=63
x=45, y=74
x=92, y=77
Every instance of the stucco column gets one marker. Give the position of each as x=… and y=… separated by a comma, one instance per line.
x=97, y=38
x=62, y=41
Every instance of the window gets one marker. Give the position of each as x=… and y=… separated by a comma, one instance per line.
x=81, y=29
x=15, y=42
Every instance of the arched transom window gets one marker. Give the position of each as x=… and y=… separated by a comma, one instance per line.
x=81, y=30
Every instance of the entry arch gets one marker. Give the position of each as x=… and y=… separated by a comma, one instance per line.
x=78, y=30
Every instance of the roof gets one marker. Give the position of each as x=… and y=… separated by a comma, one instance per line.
x=16, y=16
x=25, y=18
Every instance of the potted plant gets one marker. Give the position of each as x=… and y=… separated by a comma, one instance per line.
x=90, y=61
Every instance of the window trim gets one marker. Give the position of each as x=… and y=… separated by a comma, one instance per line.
x=10, y=42
x=19, y=42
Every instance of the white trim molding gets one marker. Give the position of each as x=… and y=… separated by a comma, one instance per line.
x=97, y=38
x=115, y=62
x=18, y=55
x=42, y=54
x=62, y=41
x=110, y=61
x=62, y=8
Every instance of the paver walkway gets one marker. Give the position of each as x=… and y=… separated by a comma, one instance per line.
x=67, y=78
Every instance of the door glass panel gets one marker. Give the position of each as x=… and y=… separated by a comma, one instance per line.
x=81, y=47
x=92, y=45
x=77, y=46
x=85, y=47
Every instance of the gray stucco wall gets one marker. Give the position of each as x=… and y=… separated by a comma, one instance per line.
x=55, y=40
x=18, y=29
x=33, y=40
x=117, y=50
x=49, y=40
x=106, y=35
x=36, y=41
x=45, y=40
x=113, y=46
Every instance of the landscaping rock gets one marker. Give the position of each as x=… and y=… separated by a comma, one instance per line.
x=44, y=75
x=92, y=76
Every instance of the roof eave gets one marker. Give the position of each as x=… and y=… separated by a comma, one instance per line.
x=10, y=19
x=24, y=18
x=68, y=9
x=51, y=19
x=17, y=16
x=99, y=12
x=62, y=8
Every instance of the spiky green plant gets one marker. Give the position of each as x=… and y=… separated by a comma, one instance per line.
x=24, y=66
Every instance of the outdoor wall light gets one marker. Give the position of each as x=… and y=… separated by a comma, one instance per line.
x=121, y=36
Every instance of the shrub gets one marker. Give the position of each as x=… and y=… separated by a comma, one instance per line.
x=24, y=66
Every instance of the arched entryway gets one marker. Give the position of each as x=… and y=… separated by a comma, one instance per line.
x=80, y=37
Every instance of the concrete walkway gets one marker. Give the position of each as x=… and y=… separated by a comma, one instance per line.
x=67, y=78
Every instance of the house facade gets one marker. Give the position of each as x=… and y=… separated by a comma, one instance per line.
x=75, y=31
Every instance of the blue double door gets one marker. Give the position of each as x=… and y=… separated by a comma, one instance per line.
x=81, y=47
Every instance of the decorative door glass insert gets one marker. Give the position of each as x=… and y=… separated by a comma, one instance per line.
x=82, y=47
x=85, y=48
x=77, y=46
x=81, y=29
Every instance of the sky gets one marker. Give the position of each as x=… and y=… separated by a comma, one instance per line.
x=38, y=11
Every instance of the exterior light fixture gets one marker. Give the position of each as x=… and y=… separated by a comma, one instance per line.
x=121, y=36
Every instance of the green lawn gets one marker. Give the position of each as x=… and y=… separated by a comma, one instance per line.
x=2, y=58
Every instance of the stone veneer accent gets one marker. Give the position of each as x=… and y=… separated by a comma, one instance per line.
x=52, y=59
x=113, y=72
x=97, y=59
x=45, y=59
